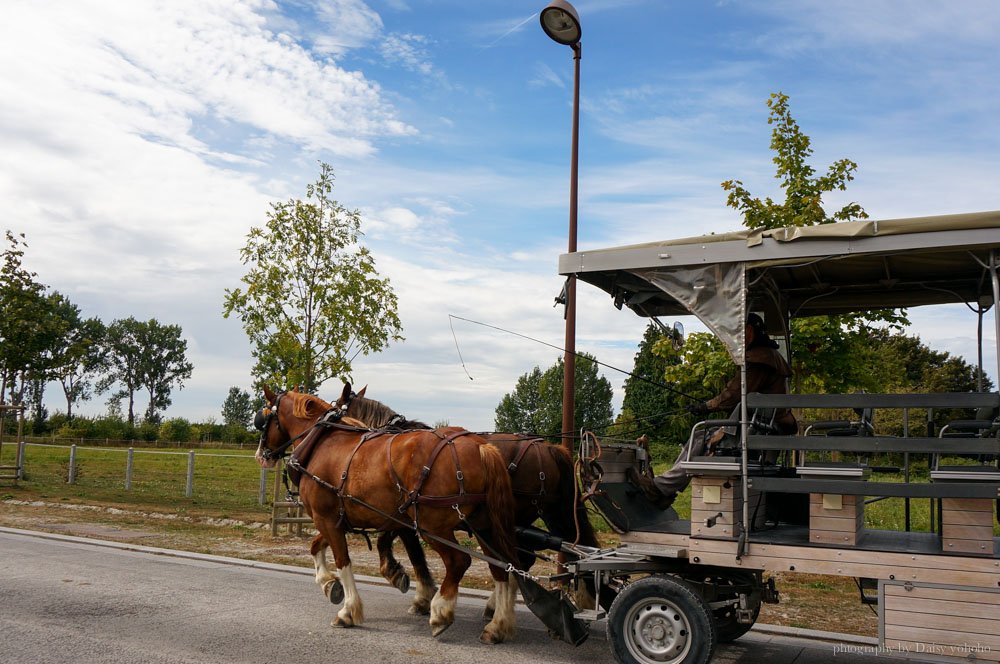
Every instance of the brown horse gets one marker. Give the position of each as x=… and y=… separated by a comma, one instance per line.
x=353, y=479
x=542, y=477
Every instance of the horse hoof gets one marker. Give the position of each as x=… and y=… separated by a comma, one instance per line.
x=420, y=609
x=437, y=630
x=338, y=622
x=489, y=638
x=402, y=583
x=337, y=592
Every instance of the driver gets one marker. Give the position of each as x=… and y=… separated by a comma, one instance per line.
x=767, y=373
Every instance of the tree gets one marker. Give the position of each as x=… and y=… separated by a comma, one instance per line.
x=164, y=365
x=313, y=299
x=23, y=320
x=830, y=353
x=535, y=405
x=145, y=355
x=803, y=190
x=77, y=359
x=518, y=411
x=238, y=409
x=647, y=407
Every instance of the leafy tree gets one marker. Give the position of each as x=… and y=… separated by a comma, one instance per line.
x=164, y=365
x=75, y=352
x=803, y=190
x=124, y=353
x=78, y=360
x=647, y=407
x=830, y=353
x=312, y=300
x=23, y=321
x=535, y=405
x=145, y=355
x=238, y=409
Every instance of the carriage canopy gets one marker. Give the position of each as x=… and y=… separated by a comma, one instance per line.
x=790, y=272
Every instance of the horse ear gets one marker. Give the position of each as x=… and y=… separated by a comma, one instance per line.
x=345, y=396
x=362, y=392
x=269, y=395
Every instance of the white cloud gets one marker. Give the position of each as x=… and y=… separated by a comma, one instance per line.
x=346, y=24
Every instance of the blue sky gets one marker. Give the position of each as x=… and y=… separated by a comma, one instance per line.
x=142, y=140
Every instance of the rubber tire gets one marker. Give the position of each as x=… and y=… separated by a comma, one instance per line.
x=661, y=620
x=727, y=629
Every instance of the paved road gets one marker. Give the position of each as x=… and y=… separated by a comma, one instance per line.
x=66, y=599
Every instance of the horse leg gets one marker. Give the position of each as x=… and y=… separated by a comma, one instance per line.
x=352, y=612
x=456, y=562
x=425, y=582
x=500, y=607
x=565, y=527
x=388, y=565
x=325, y=579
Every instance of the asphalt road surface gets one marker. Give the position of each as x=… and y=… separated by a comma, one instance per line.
x=69, y=600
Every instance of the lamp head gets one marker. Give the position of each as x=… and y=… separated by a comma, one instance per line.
x=561, y=22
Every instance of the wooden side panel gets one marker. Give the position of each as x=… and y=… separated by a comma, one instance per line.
x=967, y=525
x=941, y=621
x=844, y=561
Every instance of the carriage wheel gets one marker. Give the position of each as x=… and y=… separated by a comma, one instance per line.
x=727, y=627
x=661, y=620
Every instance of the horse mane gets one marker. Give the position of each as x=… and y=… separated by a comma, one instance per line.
x=378, y=415
x=301, y=405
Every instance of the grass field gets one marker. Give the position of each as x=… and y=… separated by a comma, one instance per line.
x=225, y=481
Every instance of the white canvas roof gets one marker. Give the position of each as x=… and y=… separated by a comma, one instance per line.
x=828, y=269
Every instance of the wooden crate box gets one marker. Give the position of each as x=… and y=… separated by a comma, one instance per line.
x=967, y=526
x=836, y=519
x=717, y=507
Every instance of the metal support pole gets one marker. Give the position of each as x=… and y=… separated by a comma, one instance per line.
x=262, y=491
x=20, y=460
x=994, y=267
x=189, y=490
x=569, y=359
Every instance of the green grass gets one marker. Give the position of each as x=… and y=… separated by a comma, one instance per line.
x=226, y=482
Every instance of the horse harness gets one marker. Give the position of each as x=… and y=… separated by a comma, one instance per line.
x=523, y=446
x=298, y=461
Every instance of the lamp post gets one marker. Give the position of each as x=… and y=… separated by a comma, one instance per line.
x=562, y=24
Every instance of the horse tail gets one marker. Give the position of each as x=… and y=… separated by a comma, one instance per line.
x=572, y=515
x=499, y=503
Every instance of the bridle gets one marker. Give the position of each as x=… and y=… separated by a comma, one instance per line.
x=262, y=422
x=394, y=422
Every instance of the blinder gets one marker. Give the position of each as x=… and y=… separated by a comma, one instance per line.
x=260, y=420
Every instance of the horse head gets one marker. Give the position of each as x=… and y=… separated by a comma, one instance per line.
x=283, y=420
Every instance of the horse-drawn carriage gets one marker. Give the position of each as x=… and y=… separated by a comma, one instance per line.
x=675, y=587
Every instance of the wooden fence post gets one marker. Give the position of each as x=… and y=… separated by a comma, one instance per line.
x=71, y=473
x=128, y=469
x=189, y=490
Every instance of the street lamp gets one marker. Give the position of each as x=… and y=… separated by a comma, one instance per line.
x=562, y=24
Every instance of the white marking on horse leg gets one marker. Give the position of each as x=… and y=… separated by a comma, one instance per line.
x=442, y=613
x=353, y=612
x=324, y=577
x=422, y=597
x=502, y=626
x=491, y=605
